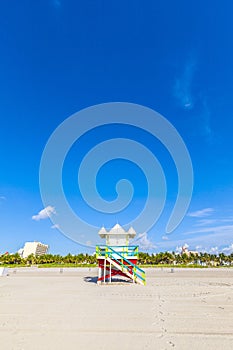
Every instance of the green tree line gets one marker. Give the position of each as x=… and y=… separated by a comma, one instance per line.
x=168, y=258
x=162, y=258
x=16, y=259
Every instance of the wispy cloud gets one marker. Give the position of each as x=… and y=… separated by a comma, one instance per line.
x=57, y=3
x=211, y=230
x=184, y=91
x=218, y=221
x=165, y=238
x=207, y=241
x=183, y=86
x=228, y=250
x=219, y=229
x=56, y=226
x=217, y=226
x=201, y=213
x=206, y=222
x=44, y=213
x=202, y=241
x=143, y=241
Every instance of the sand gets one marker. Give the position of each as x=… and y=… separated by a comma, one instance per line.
x=47, y=309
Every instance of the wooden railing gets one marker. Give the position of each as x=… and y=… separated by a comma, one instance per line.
x=119, y=254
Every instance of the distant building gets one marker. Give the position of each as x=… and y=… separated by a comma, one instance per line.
x=184, y=250
x=35, y=248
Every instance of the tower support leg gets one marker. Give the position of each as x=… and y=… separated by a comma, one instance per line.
x=110, y=268
x=104, y=270
x=99, y=275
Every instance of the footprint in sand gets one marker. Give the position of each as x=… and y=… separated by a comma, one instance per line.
x=171, y=343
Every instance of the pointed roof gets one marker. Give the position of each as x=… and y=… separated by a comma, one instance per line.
x=102, y=232
x=117, y=226
x=117, y=230
x=132, y=232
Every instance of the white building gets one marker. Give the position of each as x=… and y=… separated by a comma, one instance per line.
x=185, y=250
x=35, y=248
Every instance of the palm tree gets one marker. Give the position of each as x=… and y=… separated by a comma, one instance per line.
x=31, y=259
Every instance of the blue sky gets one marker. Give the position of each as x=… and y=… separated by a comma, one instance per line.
x=58, y=57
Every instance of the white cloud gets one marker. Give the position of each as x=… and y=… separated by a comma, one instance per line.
x=143, y=241
x=201, y=213
x=182, y=88
x=2, y=198
x=228, y=250
x=214, y=250
x=56, y=226
x=44, y=213
x=165, y=238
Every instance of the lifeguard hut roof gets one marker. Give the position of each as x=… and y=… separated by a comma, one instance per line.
x=117, y=230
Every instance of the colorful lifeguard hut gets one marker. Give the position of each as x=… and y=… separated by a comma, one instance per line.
x=117, y=259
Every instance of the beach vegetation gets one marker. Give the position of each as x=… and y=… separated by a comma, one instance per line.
x=162, y=259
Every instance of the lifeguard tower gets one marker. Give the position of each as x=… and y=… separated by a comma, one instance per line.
x=117, y=259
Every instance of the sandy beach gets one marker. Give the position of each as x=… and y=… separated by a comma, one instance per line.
x=50, y=309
